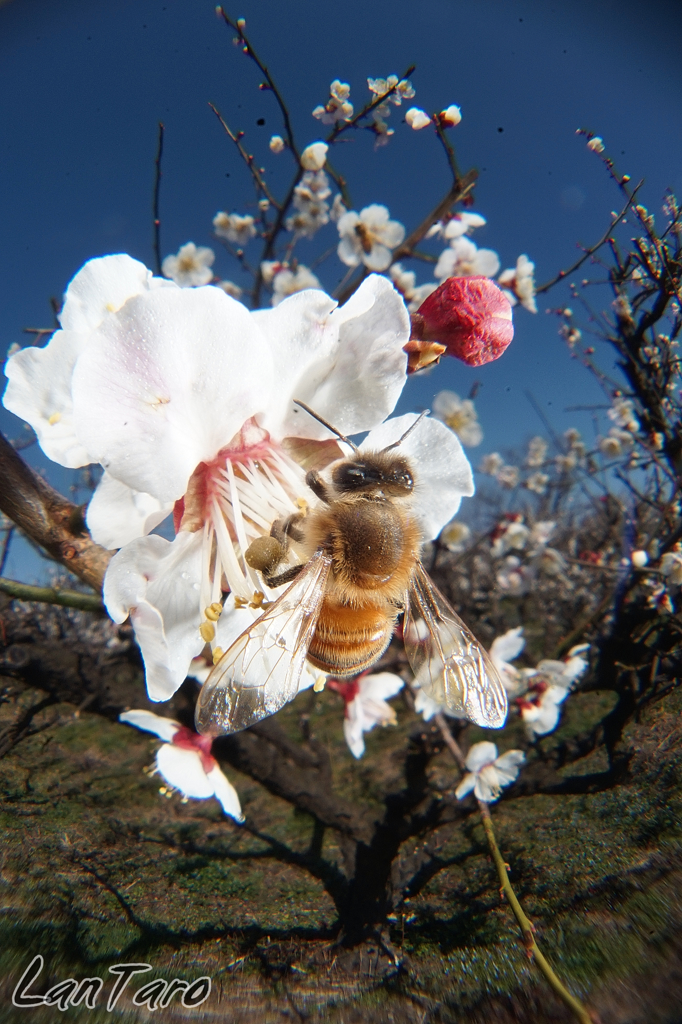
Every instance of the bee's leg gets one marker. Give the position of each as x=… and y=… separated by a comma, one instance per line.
x=283, y=577
x=283, y=529
x=318, y=486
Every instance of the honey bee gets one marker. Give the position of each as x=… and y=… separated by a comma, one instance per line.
x=361, y=570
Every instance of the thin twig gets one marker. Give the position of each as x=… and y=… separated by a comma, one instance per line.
x=247, y=158
x=525, y=924
x=51, y=595
x=589, y=252
x=5, y=548
x=155, y=203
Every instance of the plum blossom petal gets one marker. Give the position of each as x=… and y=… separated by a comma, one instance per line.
x=39, y=388
x=503, y=650
x=183, y=770
x=460, y=416
x=149, y=388
x=368, y=707
x=117, y=514
x=164, y=728
x=157, y=582
x=191, y=267
x=443, y=474
x=346, y=363
x=488, y=773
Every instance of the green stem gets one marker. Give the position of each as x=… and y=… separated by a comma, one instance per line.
x=51, y=595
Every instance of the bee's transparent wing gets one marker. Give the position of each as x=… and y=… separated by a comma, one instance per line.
x=449, y=664
x=260, y=672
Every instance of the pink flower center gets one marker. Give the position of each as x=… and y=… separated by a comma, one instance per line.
x=189, y=740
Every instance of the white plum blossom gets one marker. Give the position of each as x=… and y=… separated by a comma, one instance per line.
x=366, y=705
x=537, y=451
x=550, y=562
x=622, y=413
x=463, y=258
x=491, y=464
x=230, y=288
x=277, y=144
x=402, y=90
x=671, y=567
x=508, y=476
x=185, y=761
x=368, y=237
x=455, y=536
x=451, y=116
x=186, y=399
x=235, y=227
x=406, y=283
x=314, y=156
x=616, y=443
x=417, y=119
x=551, y=682
x=508, y=536
x=287, y=281
x=191, y=267
x=596, y=144
x=459, y=414
x=462, y=223
x=519, y=284
x=537, y=482
x=639, y=559
x=513, y=578
x=338, y=107
x=312, y=212
x=487, y=773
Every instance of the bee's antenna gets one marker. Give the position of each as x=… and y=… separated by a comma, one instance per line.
x=407, y=432
x=330, y=427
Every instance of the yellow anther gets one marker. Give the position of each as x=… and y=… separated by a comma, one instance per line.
x=318, y=685
x=217, y=654
x=240, y=602
x=54, y=418
x=214, y=611
x=303, y=505
x=207, y=631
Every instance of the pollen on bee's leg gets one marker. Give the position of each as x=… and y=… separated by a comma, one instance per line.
x=207, y=631
x=319, y=684
x=264, y=553
x=303, y=505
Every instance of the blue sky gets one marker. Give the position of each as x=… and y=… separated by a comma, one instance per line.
x=84, y=83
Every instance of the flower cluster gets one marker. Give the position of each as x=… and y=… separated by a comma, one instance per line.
x=338, y=107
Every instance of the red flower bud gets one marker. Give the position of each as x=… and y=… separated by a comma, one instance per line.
x=470, y=316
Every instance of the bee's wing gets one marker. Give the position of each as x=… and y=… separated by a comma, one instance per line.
x=449, y=664
x=260, y=672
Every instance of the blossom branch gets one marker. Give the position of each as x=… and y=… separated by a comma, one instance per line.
x=46, y=517
x=155, y=202
x=248, y=49
x=51, y=595
x=590, y=252
x=524, y=923
x=247, y=158
x=341, y=127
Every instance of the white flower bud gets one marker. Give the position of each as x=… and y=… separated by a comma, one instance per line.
x=451, y=116
x=639, y=559
x=314, y=156
x=417, y=118
x=596, y=145
x=276, y=143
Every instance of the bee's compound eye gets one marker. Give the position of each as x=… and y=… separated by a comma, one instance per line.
x=350, y=476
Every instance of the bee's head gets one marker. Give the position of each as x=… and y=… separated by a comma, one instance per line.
x=381, y=472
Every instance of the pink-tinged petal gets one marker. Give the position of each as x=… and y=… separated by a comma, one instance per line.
x=351, y=365
x=117, y=514
x=166, y=382
x=227, y=795
x=39, y=391
x=508, y=646
x=158, y=583
x=465, y=786
x=182, y=769
x=101, y=287
x=165, y=728
x=470, y=316
x=380, y=686
x=442, y=471
x=352, y=728
x=480, y=755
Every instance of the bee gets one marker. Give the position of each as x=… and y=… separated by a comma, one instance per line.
x=360, y=571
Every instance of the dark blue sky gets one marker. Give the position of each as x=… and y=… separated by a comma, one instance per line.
x=84, y=83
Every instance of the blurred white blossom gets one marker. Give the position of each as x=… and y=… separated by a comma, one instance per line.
x=455, y=536
x=314, y=156
x=366, y=705
x=537, y=450
x=417, y=118
x=596, y=144
x=671, y=567
x=520, y=283
x=537, y=482
x=463, y=258
x=459, y=414
x=234, y=227
x=191, y=267
x=276, y=144
x=451, y=116
x=338, y=107
x=491, y=464
x=622, y=413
